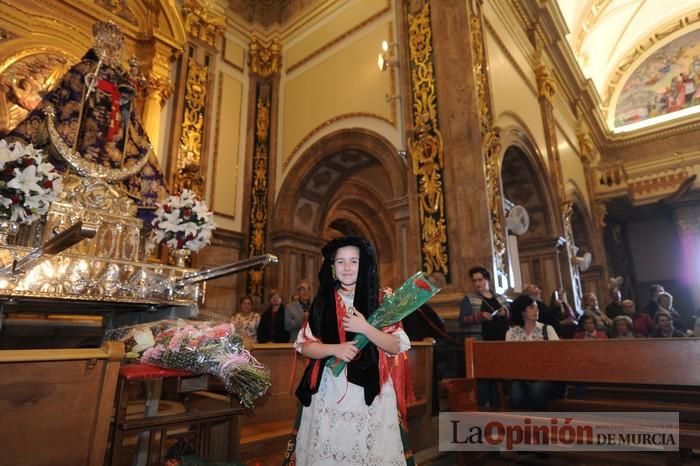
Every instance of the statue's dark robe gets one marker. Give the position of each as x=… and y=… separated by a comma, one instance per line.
x=102, y=137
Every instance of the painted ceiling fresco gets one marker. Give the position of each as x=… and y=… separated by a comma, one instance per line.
x=667, y=81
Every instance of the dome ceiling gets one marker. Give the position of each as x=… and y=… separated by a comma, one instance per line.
x=604, y=34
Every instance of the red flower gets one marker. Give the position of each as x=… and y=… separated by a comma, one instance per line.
x=420, y=283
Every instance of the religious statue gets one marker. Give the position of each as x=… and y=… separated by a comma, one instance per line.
x=88, y=122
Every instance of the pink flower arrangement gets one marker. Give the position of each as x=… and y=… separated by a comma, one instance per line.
x=199, y=347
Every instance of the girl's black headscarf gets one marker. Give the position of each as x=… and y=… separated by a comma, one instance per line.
x=363, y=371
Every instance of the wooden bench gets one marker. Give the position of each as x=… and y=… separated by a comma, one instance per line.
x=268, y=427
x=56, y=404
x=619, y=375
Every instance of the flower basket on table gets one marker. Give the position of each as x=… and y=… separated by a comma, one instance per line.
x=184, y=224
x=201, y=348
x=412, y=294
x=28, y=186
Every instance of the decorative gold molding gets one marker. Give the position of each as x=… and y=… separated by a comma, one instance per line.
x=288, y=159
x=600, y=211
x=481, y=75
x=594, y=13
x=426, y=146
x=264, y=61
x=257, y=236
x=201, y=24
x=491, y=149
x=546, y=92
x=337, y=39
x=546, y=84
x=160, y=87
x=189, y=155
x=490, y=143
x=639, y=51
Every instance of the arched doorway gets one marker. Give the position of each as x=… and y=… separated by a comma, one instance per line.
x=349, y=182
x=523, y=177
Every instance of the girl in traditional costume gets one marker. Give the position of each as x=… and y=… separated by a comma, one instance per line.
x=352, y=418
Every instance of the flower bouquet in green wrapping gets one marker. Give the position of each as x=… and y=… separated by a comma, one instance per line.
x=411, y=295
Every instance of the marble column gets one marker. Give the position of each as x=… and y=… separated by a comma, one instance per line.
x=459, y=109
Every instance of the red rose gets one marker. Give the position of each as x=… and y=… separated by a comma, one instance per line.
x=420, y=283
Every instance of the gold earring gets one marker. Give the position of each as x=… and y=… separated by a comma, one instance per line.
x=333, y=273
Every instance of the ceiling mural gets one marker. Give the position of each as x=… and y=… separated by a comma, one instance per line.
x=668, y=81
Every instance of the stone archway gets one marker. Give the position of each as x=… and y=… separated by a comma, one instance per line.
x=524, y=181
x=349, y=182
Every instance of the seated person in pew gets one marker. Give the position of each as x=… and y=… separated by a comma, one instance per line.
x=623, y=327
x=642, y=322
x=664, y=326
x=271, y=327
x=589, y=331
x=526, y=394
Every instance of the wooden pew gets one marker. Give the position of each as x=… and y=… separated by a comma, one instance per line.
x=267, y=427
x=56, y=404
x=651, y=374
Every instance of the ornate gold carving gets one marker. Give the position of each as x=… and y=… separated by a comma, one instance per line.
x=26, y=77
x=288, y=159
x=600, y=211
x=491, y=149
x=550, y=133
x=490, y=144
x=159, y=86
x=120, y=8
x=481, y=76
x=189, y=154
x=264, y=61
x=85, y=167
x=202, y=24
x=258, y=210
x=426, y=146
x=586, y=146
x=594, y=13
x=546, y=85
x=666, y=182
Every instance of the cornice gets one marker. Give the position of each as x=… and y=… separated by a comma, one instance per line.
x=653, y=134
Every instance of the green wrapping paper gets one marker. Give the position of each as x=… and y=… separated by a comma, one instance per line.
x=411, y=295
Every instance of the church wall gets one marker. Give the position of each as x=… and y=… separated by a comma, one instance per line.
x=571, y=163
x=337, y=85
x=331, y=27
x=512, y=85
x=226, y=176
